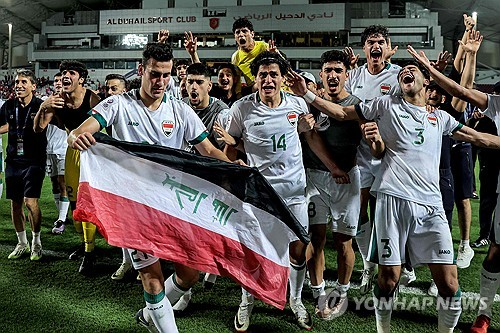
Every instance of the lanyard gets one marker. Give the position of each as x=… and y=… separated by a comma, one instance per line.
x=20, y=130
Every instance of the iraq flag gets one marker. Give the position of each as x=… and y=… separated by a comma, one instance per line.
x=210, y=215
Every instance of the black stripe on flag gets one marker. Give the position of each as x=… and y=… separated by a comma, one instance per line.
x=246, y=183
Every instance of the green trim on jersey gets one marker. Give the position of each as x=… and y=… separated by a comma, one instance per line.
x=200, y=138
x=100, y=119
x=460, y=126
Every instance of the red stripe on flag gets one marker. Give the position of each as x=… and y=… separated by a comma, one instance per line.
x=130, y=224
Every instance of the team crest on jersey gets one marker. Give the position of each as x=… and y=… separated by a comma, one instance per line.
x=167, y=127
x=292, y=118
x=432, y=119
x=385, y=88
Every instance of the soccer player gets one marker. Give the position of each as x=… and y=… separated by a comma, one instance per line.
x=266, y=122
x=149, y=106
x=56, y=156
x=490, y=272
x=71, y=108
x=209, y=109
x=334, y=194
x=248, y=49
x=374, y=79
x=409, y=211
x=115, y=84
x=25, y=162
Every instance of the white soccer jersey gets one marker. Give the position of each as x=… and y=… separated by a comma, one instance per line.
x=493, y=112
x=174, y=124
x=56, y=140
x=271, y=140
x=173, y=88
x=412, y=136
x=366, y=86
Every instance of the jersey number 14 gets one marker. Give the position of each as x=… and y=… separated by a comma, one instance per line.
x=281, y=144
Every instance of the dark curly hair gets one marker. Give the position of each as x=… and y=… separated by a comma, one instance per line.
x=74, y=65
x=157, y=51
x=374, y=30
x=242, y=23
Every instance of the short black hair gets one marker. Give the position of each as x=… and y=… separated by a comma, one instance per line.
x=374, y=30
x=179, y=62
x=242, y=23
x=415, y=63
x=57, y=74
x=199, y=69
x=116, y=77
x=156, y=51
x=337, y=56
x=27, y=73
x=266, y=58
x=75, y=65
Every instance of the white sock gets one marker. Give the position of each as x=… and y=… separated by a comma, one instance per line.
x=172, y=290
x=296, y=279
x=319, y=290
x=489, y=283
x=449, y=310
x=126, y=256
x=464, y=242
x=343, y=288
x=363, y=239
x=21, y=237
x=160, y=310
x=63, y=208
x=36, y=238
x=246, y=297
x=57, y=198
x=383, y=311
x=1, y=185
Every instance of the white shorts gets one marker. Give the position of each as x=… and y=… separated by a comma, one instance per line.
x=496, y=222
x=140, y=259
x=331, y=201
x=298, y=207
x=401, y=224
x=55, y=165
x=369, y=166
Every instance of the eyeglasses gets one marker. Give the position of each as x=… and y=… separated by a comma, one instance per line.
x=157, y=75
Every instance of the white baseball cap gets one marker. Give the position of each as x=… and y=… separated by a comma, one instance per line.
x=308, y=76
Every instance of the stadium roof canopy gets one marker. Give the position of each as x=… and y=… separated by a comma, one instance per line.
x=27, y=15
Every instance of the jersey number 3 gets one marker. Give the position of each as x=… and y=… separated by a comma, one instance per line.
x=420, y=136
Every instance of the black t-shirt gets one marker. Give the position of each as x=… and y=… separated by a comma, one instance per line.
x=20, y=120
x=72, y=118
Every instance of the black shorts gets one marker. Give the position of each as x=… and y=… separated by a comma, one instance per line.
x=446, y=187
x=462, y=169
x=23, y=181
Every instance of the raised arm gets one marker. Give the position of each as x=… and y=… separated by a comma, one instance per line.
x=479, y=139
x=298, y=86
x=469, y=73
x=191, y=46
x=473, y=96
x=46, y=112
x=459, y=58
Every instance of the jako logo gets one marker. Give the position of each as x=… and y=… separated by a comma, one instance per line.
x=444, y=251
x=133, y=123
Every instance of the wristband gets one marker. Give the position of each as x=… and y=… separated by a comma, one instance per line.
x=309, y=96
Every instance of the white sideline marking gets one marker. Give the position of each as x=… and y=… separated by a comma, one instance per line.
x=409, y=290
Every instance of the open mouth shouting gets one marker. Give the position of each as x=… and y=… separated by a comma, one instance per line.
x=268, y=88
x=242, y=41
x=376, y=54
x=66, y=82
x=333, y=84
x=224, y=84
